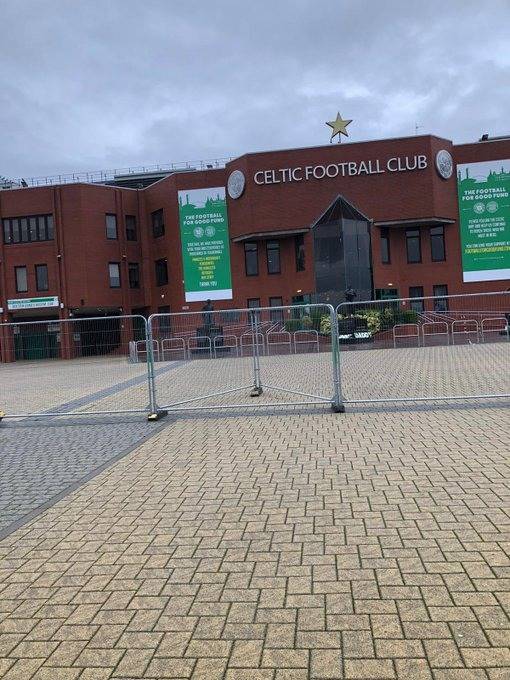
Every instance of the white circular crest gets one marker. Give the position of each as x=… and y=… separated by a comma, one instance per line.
x=236, y=183
x=444, y=164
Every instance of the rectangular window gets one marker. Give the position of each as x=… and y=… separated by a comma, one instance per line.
x=251, y=259
x=134, y=275
x=164, y=324
x=114, y=274
x=277, y=314
x=111, y=227
x=49, y=227
x=437, y=248
x=413, y=246
x=24, y=229
x=7, y=231
x=253, y=303
x=385, y=245
x=161, y=272
x=299, y=248
x=440, y=303
x=130, y=228
x=32, y=229
x=41, y=277
x=21, y=279
x=273, y=257
x=158, y=223
x=386, y=293
x=416, y=292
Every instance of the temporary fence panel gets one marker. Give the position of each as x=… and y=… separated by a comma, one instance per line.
x=435, y=332
x=497, y=324
x=464, y=352
x=407, y=332
x=74, y=367
x=248, y=358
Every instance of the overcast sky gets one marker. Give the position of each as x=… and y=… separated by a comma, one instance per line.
x=101, y=84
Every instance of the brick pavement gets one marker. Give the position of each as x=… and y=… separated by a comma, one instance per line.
x=368, y=545
x=41, y=459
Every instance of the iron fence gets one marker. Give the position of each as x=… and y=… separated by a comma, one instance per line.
x=74, y=366
x=424, y=349
x=226, y=358
x=413, y=349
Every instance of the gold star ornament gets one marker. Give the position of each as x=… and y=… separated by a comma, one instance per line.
x=338, y=127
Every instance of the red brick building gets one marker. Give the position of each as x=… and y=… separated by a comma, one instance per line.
x=93, y=249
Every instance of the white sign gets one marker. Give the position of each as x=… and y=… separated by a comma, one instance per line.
x=32, y=303
x=347, y=169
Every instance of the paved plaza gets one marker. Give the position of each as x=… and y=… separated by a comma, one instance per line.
x=274, y=546
x=280, y=543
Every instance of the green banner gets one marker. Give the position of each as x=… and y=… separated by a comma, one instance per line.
x=205, y=244
x=484, y=208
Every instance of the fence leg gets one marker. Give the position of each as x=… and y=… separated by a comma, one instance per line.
x=155, y=413
x=337, y=405
x=257, y=384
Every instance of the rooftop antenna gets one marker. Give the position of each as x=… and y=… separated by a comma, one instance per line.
x=416, y=128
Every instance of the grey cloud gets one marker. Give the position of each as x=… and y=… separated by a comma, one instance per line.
x=94, y=84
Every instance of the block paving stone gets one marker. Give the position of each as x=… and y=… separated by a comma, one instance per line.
x=368, y=545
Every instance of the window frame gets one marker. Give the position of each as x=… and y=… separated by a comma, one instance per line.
x=275, y=247
x=108, y=227
x=157, y=268
x=433, y=237
x=276, y=315
x=420, y=303
x=43, y=229
x=440, y=297
x=110, y=278
x=385, y=245
x=37, y=268
x=131, y=231
x=250, y=306
x=134, y=266
x=158, y=229
x=300, y=252
x=17, y=269
x=410, y=235
x=255, y=250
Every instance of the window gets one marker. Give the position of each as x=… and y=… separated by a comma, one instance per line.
x=253, y=303
x=440, y=303
x=114, y=274
x=251, y=259
x=134, y=275
x=273, y=257
x=386, y=293
x=437, y=249
x=111, y=227
x=277, y=314
x=130, y=228
x=28, y=229
x=413, y=245
x=164, y=322
x=299, y=248
x=158, y=223
x=416, y=292
x=41, y=277
x=161, y=272
x=21, y=279
x=385, y=245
